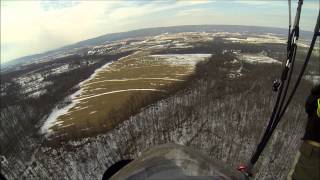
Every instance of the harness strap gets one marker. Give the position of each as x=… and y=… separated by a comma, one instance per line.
x=318, y=109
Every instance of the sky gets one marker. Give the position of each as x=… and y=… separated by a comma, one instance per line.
x=31, y=27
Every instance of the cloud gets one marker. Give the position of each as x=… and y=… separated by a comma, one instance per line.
x=37, y=26
x=254, y=3
x=34, y=29
x=312, y=4
x=193, y=12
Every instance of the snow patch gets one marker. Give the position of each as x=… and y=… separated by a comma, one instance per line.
x=315, y=79
x=133, y=79
x=258, y=39
x=111, y=92
x=37, y=93
x=56, y=112
x=60, y=69
x=182, y=59
x=95, y=73
x=257, y=59
x=92, y=112
x=68, y=125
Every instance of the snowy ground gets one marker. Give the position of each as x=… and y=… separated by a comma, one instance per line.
x=56, y=112
x=110, y=86
x=315, y=79
x=257, y=58
x=258, y=39
x=97, y=85
x=182, y=59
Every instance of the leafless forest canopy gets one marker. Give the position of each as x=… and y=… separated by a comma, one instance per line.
x=216, y=111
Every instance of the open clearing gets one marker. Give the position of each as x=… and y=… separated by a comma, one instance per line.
x=111, y=87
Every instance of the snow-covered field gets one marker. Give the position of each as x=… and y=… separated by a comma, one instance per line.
x=182, y=59
x=154, y=71
x=257, y=58
x=145, y=72
x=267, y=38
x=113, y=84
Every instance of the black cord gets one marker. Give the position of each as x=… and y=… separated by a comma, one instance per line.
x=277, y=118
x=281, y=113
x=274, y=119
x=279, y=109
x=280, y=99
x=289, y=29
x=314, y=39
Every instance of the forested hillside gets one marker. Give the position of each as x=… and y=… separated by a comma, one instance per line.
x=222, y=112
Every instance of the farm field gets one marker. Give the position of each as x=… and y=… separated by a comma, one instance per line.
x=111, y=87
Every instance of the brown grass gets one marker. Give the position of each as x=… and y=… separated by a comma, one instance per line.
x=99, y=114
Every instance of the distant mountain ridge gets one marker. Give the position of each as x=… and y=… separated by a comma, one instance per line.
x=152, y=32
x=176, y=29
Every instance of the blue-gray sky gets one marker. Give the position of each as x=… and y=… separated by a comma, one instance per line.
x=29, y=27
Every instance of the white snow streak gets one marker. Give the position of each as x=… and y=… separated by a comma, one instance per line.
x=258, y=58
x=111, y=92
x=56, y=112
x=315, y=79
x=182, y=59
x=51, y=120
x=132, y=79
x=95, y=73
x=178, y=59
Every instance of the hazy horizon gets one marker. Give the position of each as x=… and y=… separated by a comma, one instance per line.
x=33, y=27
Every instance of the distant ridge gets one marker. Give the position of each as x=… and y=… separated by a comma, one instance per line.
x=152, y=32
x=184, y=28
